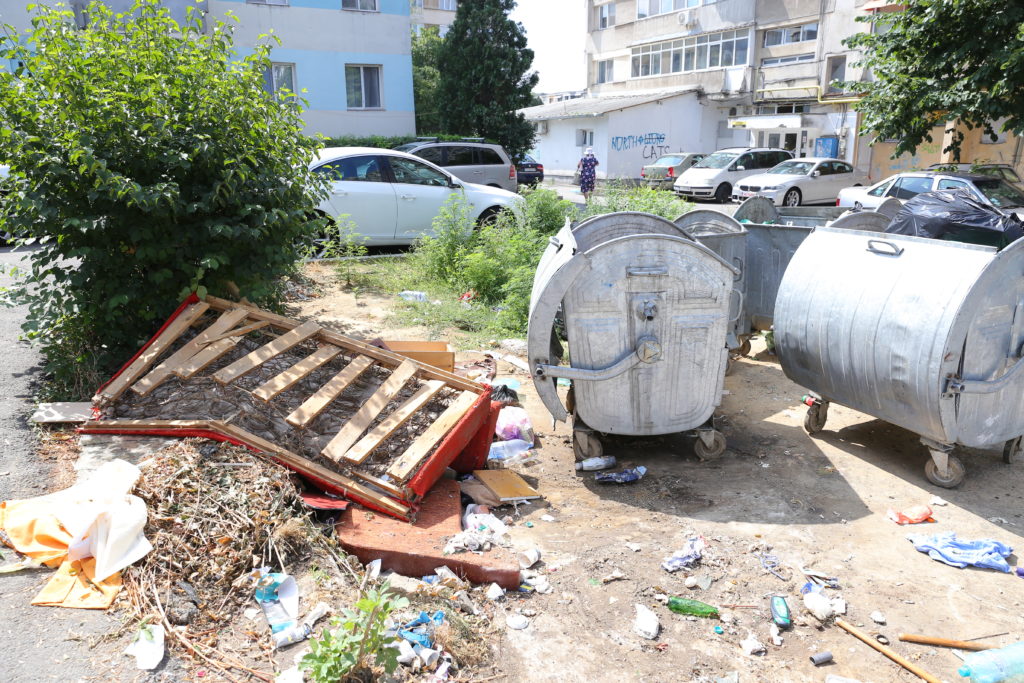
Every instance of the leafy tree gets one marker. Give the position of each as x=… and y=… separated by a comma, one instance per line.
x=486, y=75
x=426, y=79
x=149, y=161
x=939, y=60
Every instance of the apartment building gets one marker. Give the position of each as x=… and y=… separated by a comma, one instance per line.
x=430, y=13
x=351, y=57
x=699, y=75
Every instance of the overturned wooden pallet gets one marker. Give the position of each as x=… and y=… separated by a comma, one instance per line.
x=408, y=476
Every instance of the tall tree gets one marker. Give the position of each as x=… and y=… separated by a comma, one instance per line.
x=486, y=77
x=939, y=60
x=426, y=79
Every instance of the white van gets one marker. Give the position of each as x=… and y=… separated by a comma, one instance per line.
x=713, y=176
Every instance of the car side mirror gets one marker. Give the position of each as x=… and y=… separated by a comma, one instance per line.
x=452, y=183
x=815, y=173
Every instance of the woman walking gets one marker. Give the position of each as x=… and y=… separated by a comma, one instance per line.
x=587, y=175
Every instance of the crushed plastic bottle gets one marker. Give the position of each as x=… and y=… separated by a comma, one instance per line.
x=503, y=450
x=411, y=295
x=602, y=462
x=995, y=666
x=692, y=607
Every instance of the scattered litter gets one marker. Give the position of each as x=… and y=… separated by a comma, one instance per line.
x=517, y=621
x=773, y=630
x=616, y=575
x=752, y=646
x=528, y=558
x=504, y=393
x=818, y=605
x=771, y=565
x=528, y=525
x=251, y=613
x=420, y=631
x=646, y=624
x=821, y=658
x=811, y=587
x=694, y=608
x=912, y=515
x=718, y=630
x=936, y=500
x=278, y=597
x=731, y=677
x=686, y=557
x=475, y=489
x=878, y=617
x=513, y=423
x=410, y=295
x=602, y=462
x=635, y=547
x=821, y=579
x=780, y=611
x=623, y=477
x=148, y=647
x=839, y=605
x=882, y=639
x=506, y=485
x=297, y=634
x=704, y=582
x=1001, y=520
x=690, y=582
x=538, y=583
x=947, y=548
x=480, y=530
x=506, y=450
x=465, y=603
x=494, y=592
x=547, y=518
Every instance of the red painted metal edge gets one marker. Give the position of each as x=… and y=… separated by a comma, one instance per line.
x=474, y=455
x=451, y=446
x=191, y=299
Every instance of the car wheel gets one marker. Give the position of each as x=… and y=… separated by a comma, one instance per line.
x=488, y=217
x=723, y=193
x=858, y=206
x=792, y=198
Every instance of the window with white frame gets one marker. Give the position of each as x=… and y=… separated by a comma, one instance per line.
x=710, y=51
x=604, y=71
x=365, y=5
x=789, y=59
x=790, y=34
x=282, y=78
x=650, y=8
x=362, y=86
x=606, y=15
x=584, y=137
x=451, y=5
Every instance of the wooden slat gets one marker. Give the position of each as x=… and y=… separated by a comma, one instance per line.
x=315, y=404
x=205, y=357
x=157, y=375
x=287, y=379
x=358, y=423
x=385, y=358
x=424, y=444
x=251, y=327
x=139, y=366
x=506, y=485
x=386, y=427
x=146, y=424
x=386, y=486
x=266, y=352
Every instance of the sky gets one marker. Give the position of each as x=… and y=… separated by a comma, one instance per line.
x=555, y=31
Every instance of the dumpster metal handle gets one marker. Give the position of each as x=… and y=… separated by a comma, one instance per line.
x=739, y=306
x=641, y=271
x=890, y=249
x=647, y=350
x=955, y=385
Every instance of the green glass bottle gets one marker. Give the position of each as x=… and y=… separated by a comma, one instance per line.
x=694, y=607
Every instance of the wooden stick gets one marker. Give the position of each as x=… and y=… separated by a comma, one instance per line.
x=266, y=352
x=912, y=668
x=358, y=453
x=205, y=357
x=944, y=642
x=315, y=404
x=402, y=468
x=290, y=377
x=251, y=327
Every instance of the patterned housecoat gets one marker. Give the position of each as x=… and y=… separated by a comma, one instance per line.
x=587, y=175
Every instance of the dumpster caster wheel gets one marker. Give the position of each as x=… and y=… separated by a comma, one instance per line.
x=711, y=451
x=815, y=419
x=586, y=445
x=1013, y=449
x=730, y=365
x=954, y=473
x=744, y=348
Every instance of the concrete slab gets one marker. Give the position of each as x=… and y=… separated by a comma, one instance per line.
x=97, y=449
x=416, y=549
x=62, y=411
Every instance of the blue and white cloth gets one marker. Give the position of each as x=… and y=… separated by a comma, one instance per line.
x=947, y=548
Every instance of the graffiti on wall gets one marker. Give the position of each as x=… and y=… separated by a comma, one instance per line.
x=652, y=145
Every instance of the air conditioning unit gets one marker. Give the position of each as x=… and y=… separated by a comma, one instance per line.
x=688, y=18
x=542, y=128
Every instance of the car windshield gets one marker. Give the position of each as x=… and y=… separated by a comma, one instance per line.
x=670, y=160
x=793, y=168
x=717, y=160
x=527, y=159
x=1000, y=193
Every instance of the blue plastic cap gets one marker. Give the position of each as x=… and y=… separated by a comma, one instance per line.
x=964, y=671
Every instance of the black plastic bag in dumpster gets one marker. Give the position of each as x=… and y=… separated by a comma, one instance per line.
x=958, y=216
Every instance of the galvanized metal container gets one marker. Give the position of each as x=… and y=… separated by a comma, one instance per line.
x=925, y=334
x=646, y=313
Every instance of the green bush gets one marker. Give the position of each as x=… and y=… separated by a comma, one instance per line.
x=545, y=211
x=150, y=162
x=627, y=197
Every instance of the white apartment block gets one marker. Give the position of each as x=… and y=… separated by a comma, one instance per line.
x=699, y=75
x=428, y=13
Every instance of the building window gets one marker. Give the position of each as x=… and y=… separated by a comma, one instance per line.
x=711, y=51
x=604, y=71
x=836, y=72
x=584, y=138
x=791, y=34
x=282, y=78
x=606, y=15
x=450, y=5
x=790, y=59
x=362, y=87
x=365, y=5
x=650, y=8
x=783, y=109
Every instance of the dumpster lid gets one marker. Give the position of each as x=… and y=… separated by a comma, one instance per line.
x=956, y=215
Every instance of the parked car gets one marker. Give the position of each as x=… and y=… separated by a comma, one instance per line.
x=529, y=171
x=393, y=197
x=904, y=186
x=1004, y=171
x=714, y=176
x=474, y=162
x=662, y=173
x=810, y=180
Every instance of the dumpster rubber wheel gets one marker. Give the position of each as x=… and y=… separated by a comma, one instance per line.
x=712, y=452
x=814, y=420
x=1013, y=449
x=744, y=348
x=586, y=445
x=954, y=478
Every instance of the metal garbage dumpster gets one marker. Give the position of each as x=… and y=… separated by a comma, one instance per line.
x=924, y=334
x=646, y=313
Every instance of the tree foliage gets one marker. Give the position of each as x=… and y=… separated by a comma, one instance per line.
x=149, y=161
x=940, y=60
x=486, y=75
x=426, y=79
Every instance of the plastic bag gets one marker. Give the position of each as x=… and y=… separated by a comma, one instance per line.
x=956, y=215
x=514, y=423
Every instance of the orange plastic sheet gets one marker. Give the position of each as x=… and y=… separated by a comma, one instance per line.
x=75, y=585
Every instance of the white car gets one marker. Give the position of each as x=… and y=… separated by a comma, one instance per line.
x=714, y=176
x=810, y=180
x=903, y=186
x=393, y=197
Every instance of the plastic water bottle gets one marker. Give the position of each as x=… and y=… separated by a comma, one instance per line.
x=601, y=462
x=503, y=450
x=995, y=666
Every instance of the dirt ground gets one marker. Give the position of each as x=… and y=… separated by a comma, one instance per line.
x=816, y=503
